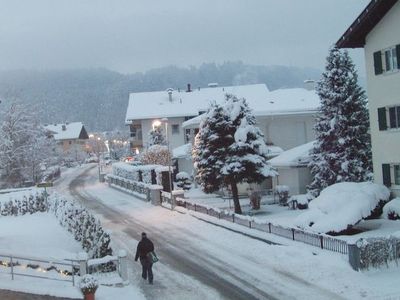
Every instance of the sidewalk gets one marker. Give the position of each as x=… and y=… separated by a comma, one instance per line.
x=11, y=295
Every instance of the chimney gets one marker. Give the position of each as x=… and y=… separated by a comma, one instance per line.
x=309, y=84
x=63, y=127
x=188, y=88
x=169, y=91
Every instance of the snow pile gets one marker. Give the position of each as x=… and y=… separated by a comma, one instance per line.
x=392, y=209
x=342, y=205
x=184, y=151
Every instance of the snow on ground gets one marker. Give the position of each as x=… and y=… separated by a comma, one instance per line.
x=38, y=235
x=274, y=264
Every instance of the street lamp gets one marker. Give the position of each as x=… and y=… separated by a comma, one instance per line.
x=158, y=123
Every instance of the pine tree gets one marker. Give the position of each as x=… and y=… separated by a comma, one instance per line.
x=230, y=149
x=342, y=151
x=156, y=136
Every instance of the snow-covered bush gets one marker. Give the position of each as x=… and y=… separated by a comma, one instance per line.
x=342, y=205
x=301, y=200
x=156, y=155
x=283, y=193
x=391, y=210
x=183, y=181
x=375, y=252
x=88, y=284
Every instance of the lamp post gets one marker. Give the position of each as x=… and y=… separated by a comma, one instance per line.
x=155, y=124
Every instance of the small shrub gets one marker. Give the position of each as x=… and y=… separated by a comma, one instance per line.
x=88, y=284
x=283, y=193
x=183, y=181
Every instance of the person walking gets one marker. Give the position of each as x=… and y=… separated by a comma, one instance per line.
x=144, y=247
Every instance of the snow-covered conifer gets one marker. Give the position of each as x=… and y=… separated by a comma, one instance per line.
x=230, y=149
x=342, y=150
x=156, y=136
x=183, y=181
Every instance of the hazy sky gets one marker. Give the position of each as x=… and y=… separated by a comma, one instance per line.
x=136, y=35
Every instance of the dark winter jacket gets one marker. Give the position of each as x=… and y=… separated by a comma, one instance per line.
x=144, y=247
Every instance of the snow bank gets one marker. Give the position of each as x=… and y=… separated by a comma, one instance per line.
x=392, y=209
x=342, y=205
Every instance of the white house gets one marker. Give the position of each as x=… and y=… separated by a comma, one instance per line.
x=377, y=30
x=285, y=116
x=292, y=168
x=68, y=135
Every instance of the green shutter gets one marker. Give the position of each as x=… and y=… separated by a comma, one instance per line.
x=382, y=118
x=398, y=56
x=386, y=175
x=378, y=62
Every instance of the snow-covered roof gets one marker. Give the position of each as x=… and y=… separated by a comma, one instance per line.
x=277, y=102
x=295, y=157
x=184, y=151
x=149, y=105
x=67, y=131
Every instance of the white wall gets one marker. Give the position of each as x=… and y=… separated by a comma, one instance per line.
x=288, y=131
x=175, y=140
x=296, y=178
x=383, y=90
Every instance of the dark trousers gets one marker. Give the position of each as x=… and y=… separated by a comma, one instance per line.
x=147, y=271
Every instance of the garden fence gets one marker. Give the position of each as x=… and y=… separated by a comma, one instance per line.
x=313, y=239
x=39, y=268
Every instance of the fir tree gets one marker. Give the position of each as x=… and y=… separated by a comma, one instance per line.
x=342, y=151
x=156, y=136
x=230, y=149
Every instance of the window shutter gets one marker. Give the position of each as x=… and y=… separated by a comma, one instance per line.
x=386, y=175
x=378, y=63
x=398, y=55
x=382, y=118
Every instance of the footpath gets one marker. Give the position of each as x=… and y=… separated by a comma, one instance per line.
x=11, y=295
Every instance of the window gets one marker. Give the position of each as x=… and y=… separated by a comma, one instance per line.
x=390, y=59
x=188, y=136
x=175, y=128
x=396, y=174
x=391, y=114
x=387, y=60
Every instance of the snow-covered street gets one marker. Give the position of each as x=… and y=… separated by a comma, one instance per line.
x=199, y=260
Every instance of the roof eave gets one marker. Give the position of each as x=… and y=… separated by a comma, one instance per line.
x=354, y=36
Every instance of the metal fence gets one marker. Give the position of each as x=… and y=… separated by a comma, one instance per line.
x=39, y=268
x=295, y=234
x=130, y=186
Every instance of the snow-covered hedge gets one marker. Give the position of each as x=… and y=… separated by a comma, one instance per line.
x=375, y=252
x=83, y=225
x=341, y=206
x=139, y=173
x=391, y=210
x=23, y=202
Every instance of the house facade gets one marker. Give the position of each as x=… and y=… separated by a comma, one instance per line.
x=377, y=31
x=69, y=135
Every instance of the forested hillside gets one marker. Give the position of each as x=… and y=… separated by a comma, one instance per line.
x=99, y=97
